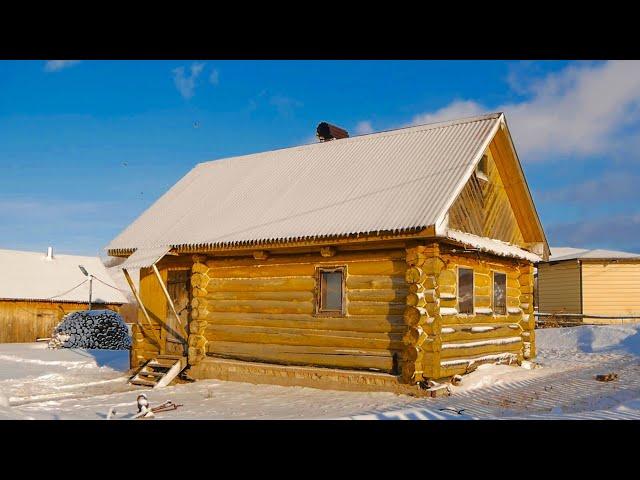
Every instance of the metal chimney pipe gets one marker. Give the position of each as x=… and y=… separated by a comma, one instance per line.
x=50, y=253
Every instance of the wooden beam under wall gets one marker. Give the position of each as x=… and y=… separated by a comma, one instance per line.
x=140, y=304
x=166, y=294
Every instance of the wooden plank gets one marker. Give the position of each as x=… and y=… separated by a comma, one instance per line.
x=294, y=355
x=308, y=337
x=371, y=323
x=260, y=306
x=280, y=284
x=140, y=304
x=170, y=301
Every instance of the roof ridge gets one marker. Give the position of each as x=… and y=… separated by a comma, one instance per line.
x=44, y=253
x=383, y=133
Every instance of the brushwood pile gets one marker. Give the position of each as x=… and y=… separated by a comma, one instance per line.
x=99, y=329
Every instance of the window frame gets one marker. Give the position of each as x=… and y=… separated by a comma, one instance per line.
x=320, y=312
x=473, y=295
x=493, y=291
x=483, y=174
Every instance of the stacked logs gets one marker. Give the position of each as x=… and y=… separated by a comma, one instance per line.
x=422, y=314
x=199, y=312
x=99, y=329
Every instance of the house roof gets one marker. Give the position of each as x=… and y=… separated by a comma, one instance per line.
x=570, y=253
x=392, y=181
x=31, y=276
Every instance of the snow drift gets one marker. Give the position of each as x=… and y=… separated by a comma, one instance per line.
x=99, y=329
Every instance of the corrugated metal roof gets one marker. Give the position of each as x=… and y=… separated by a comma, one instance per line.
x=30, y=276
x=570, y=253
x=388, y=181
x=144, y=257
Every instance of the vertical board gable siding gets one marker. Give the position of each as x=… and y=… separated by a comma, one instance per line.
x=611, y=289
x=483, y=208
x=559, y=288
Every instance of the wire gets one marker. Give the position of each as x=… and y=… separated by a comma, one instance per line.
x=64, y=293
x=108, y=285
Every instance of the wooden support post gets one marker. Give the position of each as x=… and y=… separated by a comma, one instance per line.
x=140, y=304
x=166, y=294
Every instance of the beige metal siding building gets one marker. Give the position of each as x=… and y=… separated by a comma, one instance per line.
x=594, y=283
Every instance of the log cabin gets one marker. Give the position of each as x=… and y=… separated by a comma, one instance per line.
x=37, y=289
x=590, y=286
x=407, y=253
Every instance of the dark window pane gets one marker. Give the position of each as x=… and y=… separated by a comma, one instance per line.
x=465, y=290
x=331, y=291
x=500, y=293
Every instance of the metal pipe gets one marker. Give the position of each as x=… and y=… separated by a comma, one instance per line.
x=90, y=289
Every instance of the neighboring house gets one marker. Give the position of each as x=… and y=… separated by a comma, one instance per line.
x=37, y=289
x=602, y=285
x=408, y=252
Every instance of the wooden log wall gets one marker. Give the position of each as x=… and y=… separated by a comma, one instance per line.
x=484, y=336
x=423, y=341
x=264, y=309
x=26, y=321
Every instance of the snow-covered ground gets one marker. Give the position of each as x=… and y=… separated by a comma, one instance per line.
x=39, y=383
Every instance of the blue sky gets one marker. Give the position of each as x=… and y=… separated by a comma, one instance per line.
x=86, y=146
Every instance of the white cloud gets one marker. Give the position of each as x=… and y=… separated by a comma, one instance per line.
x=583, y=109
x=619, y=186
x=214, y=77
x=57, y=65
x=285, y=105
x=186, y=84
x=456, y=109
x=622, y=233
x=364, y=127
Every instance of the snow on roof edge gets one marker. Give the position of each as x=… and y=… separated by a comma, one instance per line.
x=489, y=245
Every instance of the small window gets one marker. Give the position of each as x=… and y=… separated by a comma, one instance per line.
x=465, y=290
x=499, y=293
x=481, y=168
x=331, y=285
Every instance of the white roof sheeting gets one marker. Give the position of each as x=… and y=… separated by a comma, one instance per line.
x=388, y=181
x=569, y=253
x=30, y=276
x=144, y=257
x=489, y=245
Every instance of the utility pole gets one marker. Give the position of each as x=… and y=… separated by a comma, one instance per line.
x=86, y=274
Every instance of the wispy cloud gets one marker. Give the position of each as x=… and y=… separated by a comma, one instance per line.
x=364, y=127
x=582, y=110
x=456, y=109
x=214, y=77
x=186, y=84
x=57, y=65
x=622, y=233
x=285, y=105
x=618, y=186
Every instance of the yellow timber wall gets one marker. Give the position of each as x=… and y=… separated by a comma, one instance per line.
x=559, y=287
x=610, y=289
x=264, y=310
x=441, y=342
x=26, y=321
x=400, y=303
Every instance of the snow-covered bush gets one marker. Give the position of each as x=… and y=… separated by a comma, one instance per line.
x=100, y=329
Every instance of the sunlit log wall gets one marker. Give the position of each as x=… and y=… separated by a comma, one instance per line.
x=401, y=311
x=441, y=342
x=265, y=310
